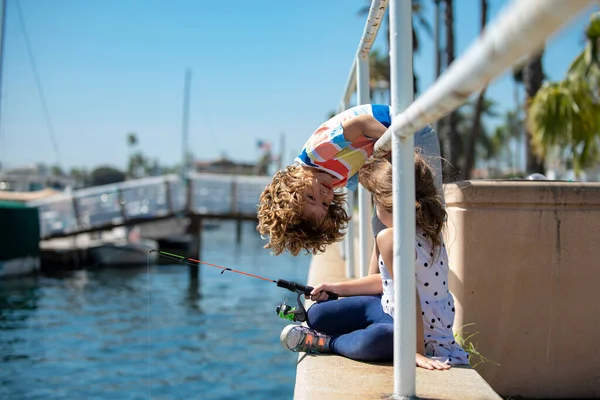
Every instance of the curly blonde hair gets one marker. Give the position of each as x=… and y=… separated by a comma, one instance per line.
x=430, y=214
x=280, y=215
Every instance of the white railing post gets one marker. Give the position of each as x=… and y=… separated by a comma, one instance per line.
x=365, y=237
x=374, y=19
x=347, y=247
x=401, y=91
x=350, y=236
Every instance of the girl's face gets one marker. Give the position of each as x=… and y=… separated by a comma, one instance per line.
x=318, y=196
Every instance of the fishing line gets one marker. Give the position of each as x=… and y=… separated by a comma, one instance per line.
x=149, y=284
x=189, y=261
x=283, y=310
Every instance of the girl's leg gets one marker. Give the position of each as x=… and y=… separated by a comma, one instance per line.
x=358, y=327
x=348, y=314
x=374, y=343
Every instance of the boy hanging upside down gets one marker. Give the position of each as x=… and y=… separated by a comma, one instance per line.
x=299, y=209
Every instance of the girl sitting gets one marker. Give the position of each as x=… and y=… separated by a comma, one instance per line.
x=360, y=325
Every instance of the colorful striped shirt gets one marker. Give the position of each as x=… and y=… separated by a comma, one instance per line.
x=329, y=151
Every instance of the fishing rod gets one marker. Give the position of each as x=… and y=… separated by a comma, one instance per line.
x=296, y=314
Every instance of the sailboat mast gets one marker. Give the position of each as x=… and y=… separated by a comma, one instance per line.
x=185, y=125
x=2, y=30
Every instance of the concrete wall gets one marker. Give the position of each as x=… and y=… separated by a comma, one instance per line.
x=525, y=269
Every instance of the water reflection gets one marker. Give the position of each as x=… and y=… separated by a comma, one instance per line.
x=126, y=333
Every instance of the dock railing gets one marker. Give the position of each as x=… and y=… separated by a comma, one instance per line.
x=143, y=200
x=520, y=29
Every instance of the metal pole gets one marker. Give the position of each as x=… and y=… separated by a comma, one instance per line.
x=365, y=238
x=348, y=243
x=185, y=125
x=374, y=22
x=401, y=92
x=350, y=237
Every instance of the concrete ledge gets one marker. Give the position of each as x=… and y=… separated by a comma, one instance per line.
x=336, y=377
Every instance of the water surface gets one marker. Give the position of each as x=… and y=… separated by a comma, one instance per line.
x=139, y=333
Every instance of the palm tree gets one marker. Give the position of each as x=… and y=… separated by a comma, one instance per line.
x=533, y=77
x=452, y=142
x=475, y=131
x=379, y=76
x=131, y=142
x=566, y=114
x=131, y=139
x=485, y=146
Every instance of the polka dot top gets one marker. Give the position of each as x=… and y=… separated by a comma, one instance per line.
x=437, y=303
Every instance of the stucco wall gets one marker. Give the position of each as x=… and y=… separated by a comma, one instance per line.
x=525, y=270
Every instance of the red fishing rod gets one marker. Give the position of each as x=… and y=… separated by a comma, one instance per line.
x=297, y=314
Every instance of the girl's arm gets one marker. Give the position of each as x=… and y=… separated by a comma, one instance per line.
x=420, y=333
x=370, y=284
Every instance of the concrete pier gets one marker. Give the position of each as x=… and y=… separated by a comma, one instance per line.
x=335, y=377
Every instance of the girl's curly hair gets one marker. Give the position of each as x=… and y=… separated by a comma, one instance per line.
x=280, y=215
x=430, y=214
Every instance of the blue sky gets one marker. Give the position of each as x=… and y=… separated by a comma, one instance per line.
x=260, y=69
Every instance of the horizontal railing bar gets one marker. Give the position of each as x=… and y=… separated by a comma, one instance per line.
x=374, y=21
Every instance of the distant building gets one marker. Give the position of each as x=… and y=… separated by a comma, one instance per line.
x=226, y=166
x=33, y=178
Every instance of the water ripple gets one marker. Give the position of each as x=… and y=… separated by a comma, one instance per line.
x=91, y=334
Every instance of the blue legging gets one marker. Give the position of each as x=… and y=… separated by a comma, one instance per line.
x=360, y=329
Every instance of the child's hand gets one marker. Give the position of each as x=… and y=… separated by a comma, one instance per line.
x=428, y=363
x=318, y=293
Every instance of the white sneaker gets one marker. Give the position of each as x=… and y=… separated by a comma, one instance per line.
x=299, y=338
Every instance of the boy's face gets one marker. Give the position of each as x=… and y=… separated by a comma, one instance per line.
x=318, y=196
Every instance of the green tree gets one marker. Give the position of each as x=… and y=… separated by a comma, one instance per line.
x=80, y=175
x=105, y=175
x=475, y=130
x=566, y=114
x=533, y=78
x=132, y=141
x=451, y=139
x=504, y=135
x=485, y=147
x=56, y=170
x=138, y=166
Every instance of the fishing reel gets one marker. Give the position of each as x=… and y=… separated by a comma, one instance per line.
x=294, y=314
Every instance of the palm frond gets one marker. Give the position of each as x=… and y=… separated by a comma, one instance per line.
x=565, y=114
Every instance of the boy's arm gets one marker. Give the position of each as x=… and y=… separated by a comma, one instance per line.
x=362, y=125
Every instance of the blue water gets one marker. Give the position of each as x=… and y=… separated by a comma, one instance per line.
x=134, y=333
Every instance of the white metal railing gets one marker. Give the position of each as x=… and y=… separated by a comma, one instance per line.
x=358, y=80
x=519, y=30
